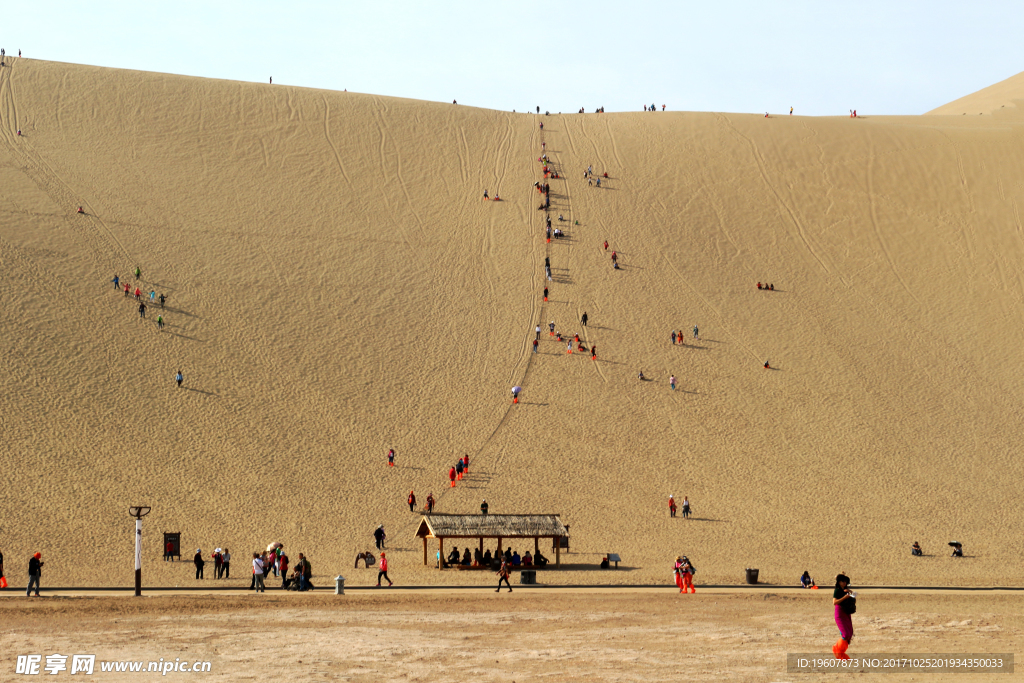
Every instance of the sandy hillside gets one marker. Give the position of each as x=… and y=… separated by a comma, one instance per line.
x=1003, y=95
x=336, y=287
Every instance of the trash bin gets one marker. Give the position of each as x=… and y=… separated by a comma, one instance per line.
x=339, y=585
x=528, y=576
x=751, y=576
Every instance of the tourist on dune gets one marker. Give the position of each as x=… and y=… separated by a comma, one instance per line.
x=257, y=573
x=391, y=457
x=226, y=565
x=671, y=506
x=179, y=378
x=412, y=501
x=383, y=570
x=916, y=549
x=198, y=561
x=672, y=382
x=503, y=572
x=806, y=581
x=686, y=507
x=35, y=570
x=451, y=472
x=845, y=603
x=430, y=503
x=378, y=536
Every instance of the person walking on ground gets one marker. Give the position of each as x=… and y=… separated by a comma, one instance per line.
x=225, y=564
x=695, y=332
x=516, y=390
x=127, y=290
x=383, y=571
x=615, y=257
x=593, y=352
x=218, y=562
x=538, y=324
x=606, y=245
x=688, y=570
x=35, y=570
x=677, y=570
x=391, y=457
x=535, y=345
x=545, y=299
x=283, y=563
x=178, y=378
x=162, y=300
x=503, y=575
x=116, y=281
x=412, y=501
x=257, y=573
x=551, y=328
x=483, y=507
x=198, y=561
x=672, y=382
x=160, y=322
x=379, y=537
x=686, y=507
x=451, y=476
x=845, y=602
x=138, y=271
x=138, y=293
x=791, y=111
x=673, y=337
x=584, y=319
x=152, y=296
x=458, y=469
x=671, y=506
x=142, y=310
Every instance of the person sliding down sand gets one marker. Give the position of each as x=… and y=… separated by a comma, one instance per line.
x=485, y=194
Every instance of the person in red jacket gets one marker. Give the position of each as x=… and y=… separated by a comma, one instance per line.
x=383, y=570
x=451, y=476
x=430, y=502
x=412, y=501
x=283, y=560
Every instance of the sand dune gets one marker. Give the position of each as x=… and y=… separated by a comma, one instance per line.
x=337, y=287
x=1004, y=95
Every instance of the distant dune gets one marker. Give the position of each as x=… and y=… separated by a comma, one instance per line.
x=337, y=286
x=1008, y=94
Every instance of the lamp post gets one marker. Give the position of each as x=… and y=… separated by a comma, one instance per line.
x=138, y=512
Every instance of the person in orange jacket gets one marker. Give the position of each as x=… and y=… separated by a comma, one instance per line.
x=412, y=501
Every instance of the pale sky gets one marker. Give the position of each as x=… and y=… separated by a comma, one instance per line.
x=821, y=57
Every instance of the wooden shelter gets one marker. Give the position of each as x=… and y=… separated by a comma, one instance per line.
x=442, y=526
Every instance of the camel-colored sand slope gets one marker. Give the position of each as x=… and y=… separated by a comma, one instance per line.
x=337, y=287
x=995, y=99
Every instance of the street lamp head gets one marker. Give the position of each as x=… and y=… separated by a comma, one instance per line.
x=139, y=511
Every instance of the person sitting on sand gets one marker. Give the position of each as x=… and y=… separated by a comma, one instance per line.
x=916, y=549
x=467, y=559
x=485, y=194
x=958, y=549
x=806, y=581
x=527, y=559
x=516, y=560
x=641, y=376
x=759, y=285
x=539, y=560
x=453, y=556
x=771, y=287
x=487, y=558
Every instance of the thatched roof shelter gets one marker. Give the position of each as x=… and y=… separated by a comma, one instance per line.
x=442, y=526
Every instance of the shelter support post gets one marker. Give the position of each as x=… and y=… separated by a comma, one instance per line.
x=536, y=545
x=440, y=554
x=558, y=550
x=424, y=551
x=499, y=545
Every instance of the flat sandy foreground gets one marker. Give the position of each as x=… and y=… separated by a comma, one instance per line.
x=533, y=634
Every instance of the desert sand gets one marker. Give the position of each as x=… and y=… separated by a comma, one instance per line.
x=337, y=287
x=526, y=636
x=991, y=100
